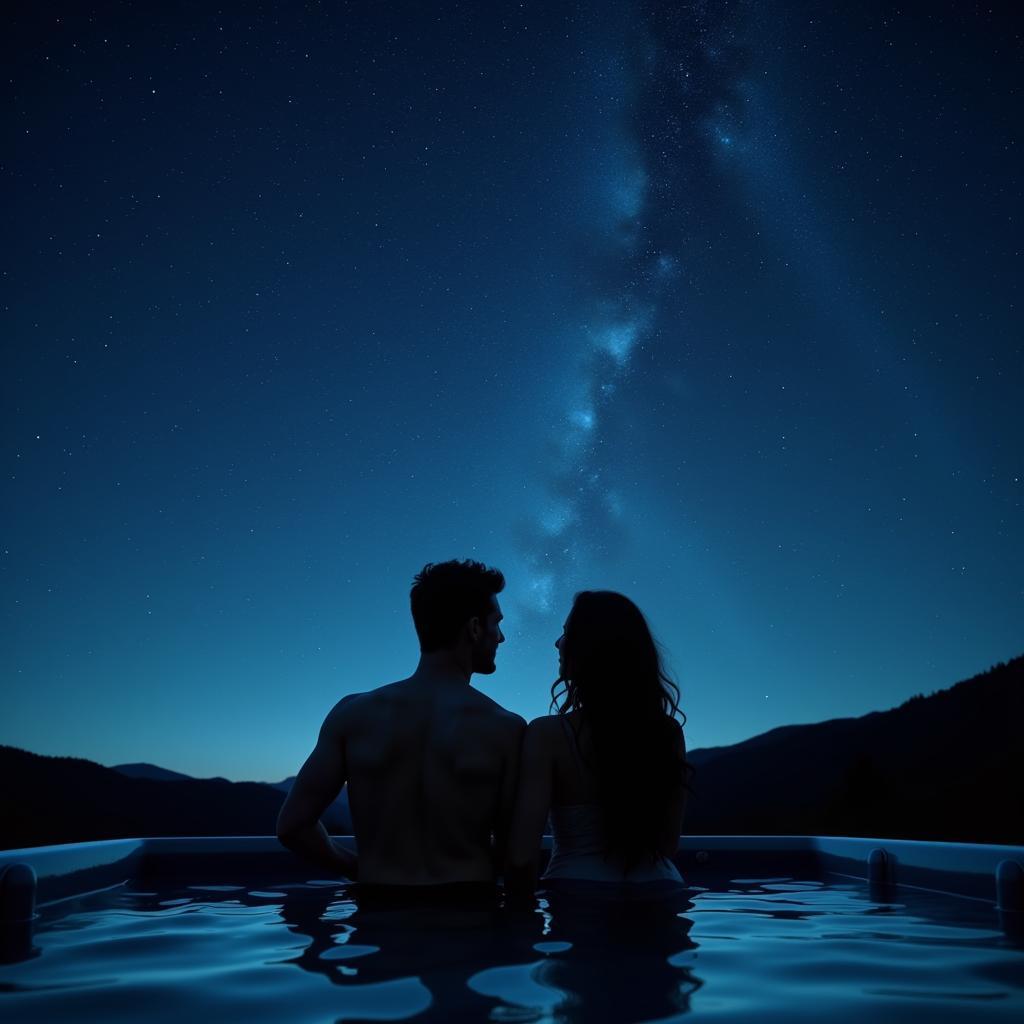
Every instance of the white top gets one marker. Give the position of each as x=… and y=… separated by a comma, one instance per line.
x=577, y=850
x=578, y=842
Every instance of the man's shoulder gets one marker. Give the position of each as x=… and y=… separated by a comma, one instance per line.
x=353, y=705
x=341, y=711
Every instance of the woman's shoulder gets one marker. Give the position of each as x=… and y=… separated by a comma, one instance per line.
x=543, y=724
x=545, y=727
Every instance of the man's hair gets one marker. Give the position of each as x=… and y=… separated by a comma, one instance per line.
x=446, y=595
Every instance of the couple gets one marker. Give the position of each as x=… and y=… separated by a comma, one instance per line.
x=449, y=791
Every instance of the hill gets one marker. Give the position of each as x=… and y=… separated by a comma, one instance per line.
x=949, y=766
x=63, y=799
x=143, y=770
x=945, y=767
x=338, y=816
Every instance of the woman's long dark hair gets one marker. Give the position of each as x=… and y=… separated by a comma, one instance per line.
x=612, y=674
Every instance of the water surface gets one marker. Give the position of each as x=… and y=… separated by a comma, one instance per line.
x=743, y=949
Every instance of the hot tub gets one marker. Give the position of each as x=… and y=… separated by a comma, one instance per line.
x=768, y=928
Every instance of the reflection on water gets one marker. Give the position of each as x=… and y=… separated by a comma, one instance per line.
x=572, y=958
x=603, y=960
x=438, y=946
x=489, y=963
x=319, y=953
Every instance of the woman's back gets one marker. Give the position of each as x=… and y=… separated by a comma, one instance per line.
x=572, y=749
x=579, y=835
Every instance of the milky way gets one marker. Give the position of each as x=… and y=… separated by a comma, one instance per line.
x=654, y=197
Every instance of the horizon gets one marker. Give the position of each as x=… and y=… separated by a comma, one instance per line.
x=282, y=778
x=680, y=302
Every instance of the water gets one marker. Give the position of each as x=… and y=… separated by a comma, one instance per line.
x=752, y=949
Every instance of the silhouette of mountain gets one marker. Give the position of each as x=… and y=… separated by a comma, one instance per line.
x=338, y=816
x=144, y=770
x=48, y=800
x=945, y=767
x=339, y=810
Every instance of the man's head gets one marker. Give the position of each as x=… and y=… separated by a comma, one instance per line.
x=454, y=604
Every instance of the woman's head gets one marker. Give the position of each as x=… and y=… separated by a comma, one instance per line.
x=607, y=657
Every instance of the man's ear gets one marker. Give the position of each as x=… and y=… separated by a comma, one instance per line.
x=474, y=628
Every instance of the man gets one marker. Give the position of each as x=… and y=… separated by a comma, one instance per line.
x=430, y=762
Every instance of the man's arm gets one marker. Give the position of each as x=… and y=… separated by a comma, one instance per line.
x=507, y=794
x=319, y=781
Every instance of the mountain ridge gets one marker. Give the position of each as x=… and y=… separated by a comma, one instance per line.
x=949, y=766
x=71, y=799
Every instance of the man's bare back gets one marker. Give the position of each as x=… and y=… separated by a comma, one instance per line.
x=431, y=776
x=431, y=765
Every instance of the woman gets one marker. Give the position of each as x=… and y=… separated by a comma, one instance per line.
x=610, y=766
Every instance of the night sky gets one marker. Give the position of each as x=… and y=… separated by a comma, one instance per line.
x=714, y=304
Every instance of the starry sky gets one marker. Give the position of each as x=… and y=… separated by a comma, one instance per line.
x=716, y=304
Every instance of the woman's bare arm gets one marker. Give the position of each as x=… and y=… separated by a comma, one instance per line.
x=533, y=802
